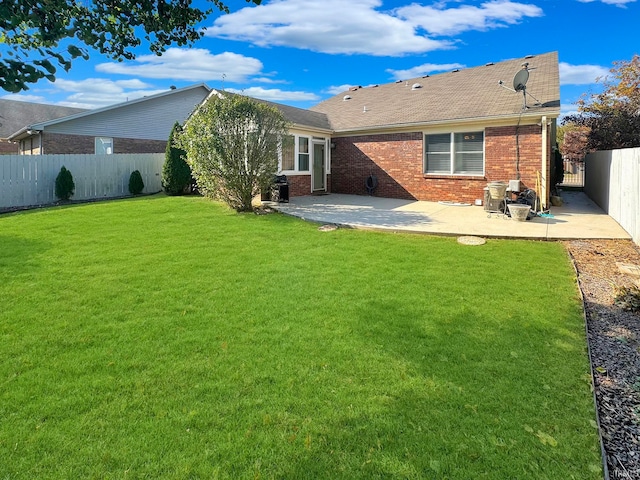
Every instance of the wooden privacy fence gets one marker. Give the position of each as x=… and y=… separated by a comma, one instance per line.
x=30, y=179
x=612, y=180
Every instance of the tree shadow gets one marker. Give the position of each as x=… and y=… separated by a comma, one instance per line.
x=19, y=255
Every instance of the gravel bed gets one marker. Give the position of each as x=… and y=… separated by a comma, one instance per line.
x=614, y=342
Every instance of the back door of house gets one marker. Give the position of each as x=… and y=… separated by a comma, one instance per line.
x=318, y=173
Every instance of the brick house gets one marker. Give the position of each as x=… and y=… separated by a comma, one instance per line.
x=437, y=138
x=16, y=114
x=138, y=126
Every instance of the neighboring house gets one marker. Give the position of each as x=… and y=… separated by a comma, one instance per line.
x=441, y=137
x=138, y=126
x=16, y=114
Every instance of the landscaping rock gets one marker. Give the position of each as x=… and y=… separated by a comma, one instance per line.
x=614, y=342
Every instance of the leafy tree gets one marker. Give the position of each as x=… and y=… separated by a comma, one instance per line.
x=232, y=145
x=613, y=116
x=176, y=174
x=37, y=37
x=136, y=184
x=574, y=142
x=64, y=187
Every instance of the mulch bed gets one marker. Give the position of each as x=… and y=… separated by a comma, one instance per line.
x=614, y=342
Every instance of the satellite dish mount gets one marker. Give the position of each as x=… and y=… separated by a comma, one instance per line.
x=520, y=85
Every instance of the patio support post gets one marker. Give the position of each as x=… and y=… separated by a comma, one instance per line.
x=543, y=174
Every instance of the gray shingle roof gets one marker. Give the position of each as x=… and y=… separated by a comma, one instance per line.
x=467, y=94
x=299, y=116
x=15, y=115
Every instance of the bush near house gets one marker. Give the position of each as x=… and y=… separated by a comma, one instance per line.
x=65, y=187
x=232, y=145
x=136, y=185
x=176, y=174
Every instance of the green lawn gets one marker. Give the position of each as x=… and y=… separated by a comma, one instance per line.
x=172, y=338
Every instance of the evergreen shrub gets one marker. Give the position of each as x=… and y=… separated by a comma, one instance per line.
x=136, y=185
x=65, y=187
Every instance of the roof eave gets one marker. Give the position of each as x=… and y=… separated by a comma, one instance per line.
x=23, y=133
x=550, y=113
x=309, y=128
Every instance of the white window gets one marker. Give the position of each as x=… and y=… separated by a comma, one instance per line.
x=454, y=153
x=303, y=154
x=288, y=152
x=104, y=146
x=295, y=153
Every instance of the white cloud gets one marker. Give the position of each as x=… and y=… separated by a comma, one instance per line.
x=275, y=94
x=336, y=89
x=453, y=21
x=361, y=27
x=268, y=80
x=617, y=3
x=21, y=97
x=329, y=26
x=100, y=92
x=423, y=69
x=581, y=74
x=194, y=64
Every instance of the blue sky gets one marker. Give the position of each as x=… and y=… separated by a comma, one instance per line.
x=299, y=52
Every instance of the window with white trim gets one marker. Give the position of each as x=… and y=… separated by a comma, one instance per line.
x=456, y=153
x=303, y=154
x=295, y=153
x=104, y=146
x=288, y=153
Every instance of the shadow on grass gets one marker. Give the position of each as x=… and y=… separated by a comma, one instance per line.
x=19, y=255
x=74, y=203
x=463, y=395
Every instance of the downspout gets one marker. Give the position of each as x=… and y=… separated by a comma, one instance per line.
x=545, y=160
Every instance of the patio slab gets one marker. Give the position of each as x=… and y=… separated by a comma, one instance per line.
x=578, y=218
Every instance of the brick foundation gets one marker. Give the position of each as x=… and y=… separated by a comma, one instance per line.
x=300, y=185
x=397, y=161
x=70, y=144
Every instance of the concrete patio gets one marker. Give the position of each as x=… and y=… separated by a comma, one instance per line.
x=577, y=218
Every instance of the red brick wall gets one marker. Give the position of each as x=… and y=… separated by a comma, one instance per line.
x=8, y=148
x=58, y=143
x=500, y=153
x=397, y=161
x=300, y=185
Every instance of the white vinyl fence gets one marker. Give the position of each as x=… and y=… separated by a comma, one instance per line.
x=612, y=180
x=30, y=179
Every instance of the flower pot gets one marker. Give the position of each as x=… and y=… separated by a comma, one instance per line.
x=497, y=190
x=518, y=212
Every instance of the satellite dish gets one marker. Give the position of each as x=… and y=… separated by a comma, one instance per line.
x=520, y=80
x=520, y=84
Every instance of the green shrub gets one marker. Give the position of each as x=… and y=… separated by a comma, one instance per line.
x=136, y=185
x=64, y=184
x=176, y=173
x=628, y=298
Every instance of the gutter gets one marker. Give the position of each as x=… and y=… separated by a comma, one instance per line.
x=456, y=121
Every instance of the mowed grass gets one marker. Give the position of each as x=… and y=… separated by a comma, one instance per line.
x=173, y=338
